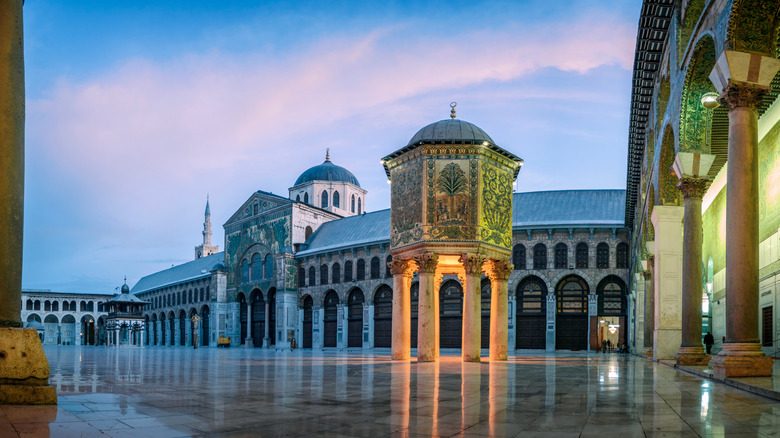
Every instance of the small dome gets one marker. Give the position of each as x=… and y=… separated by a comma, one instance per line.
x=327, y=171
x=218, y=267
x=125, y=289
x=451, y=130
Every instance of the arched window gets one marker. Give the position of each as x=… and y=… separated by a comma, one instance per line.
x=47, y=306
x=531, y=296
x=301, y=277
x=269, y=266
x=540, y=256
x=572, y=295
x=336, y=199
x=312, y=276
x=602, y=256
x=582, y=255
x=29, y=305
x=82, y=306
x=375, y=268
x=388, y=261
x=324, y=203
x=361, y=270
x=298, y=198
x=91, y=306
x=306, y=198
x=561, y=256
x=353, y=204
x=348, y=270
x=336, y=271
x=37, y=305
x=360, y=206
x=308, y=233
x=611, y=296
x=621, y=256
x=324, y=274
x=55, y=306
x=244, y=271
x=256, y=267
x=518, y=256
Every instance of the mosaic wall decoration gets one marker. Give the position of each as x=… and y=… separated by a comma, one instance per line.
x=667, y=179
x=496, y=205
x=272, y=231
x=453, y=195
x=753, y=26
x=714, y=228
x=695, y=120
x=406, y=191
x=769, y=183
x=692, y=13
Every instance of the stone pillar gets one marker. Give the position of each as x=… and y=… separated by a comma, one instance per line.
x=427, y=308
x=649, y=310
x=741, y=354
x=24, y=369
x=667, y=281
x=402, y=271
x=248, y=341
x=437, y=279
x=499, y=272
x=472, y=307
x=266, y=338
x=691, y=351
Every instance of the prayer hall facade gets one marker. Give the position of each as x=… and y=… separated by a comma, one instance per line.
x=703, y=193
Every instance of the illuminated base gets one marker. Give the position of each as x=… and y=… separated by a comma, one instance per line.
x=741, y=360
x=692, y=356
x=24, y=369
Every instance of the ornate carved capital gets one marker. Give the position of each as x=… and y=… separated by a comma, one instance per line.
x=692, y=187
x=427, y=262
x=499, y=270
x=742, y=95
x=472, y=263
x=650, y=263
x=462, y=279
x=647, y=275
x=402, y=267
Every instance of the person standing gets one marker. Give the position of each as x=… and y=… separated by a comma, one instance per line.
x=708, y=341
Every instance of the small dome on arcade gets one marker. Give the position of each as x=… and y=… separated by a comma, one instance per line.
x=327, y=171
x=450, y=130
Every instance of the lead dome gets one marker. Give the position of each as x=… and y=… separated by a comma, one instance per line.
x=451, y=130
x=327, y=171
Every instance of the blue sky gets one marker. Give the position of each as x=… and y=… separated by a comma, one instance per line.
x=137, y=110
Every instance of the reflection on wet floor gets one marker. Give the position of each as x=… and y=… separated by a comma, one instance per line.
x=170, y=391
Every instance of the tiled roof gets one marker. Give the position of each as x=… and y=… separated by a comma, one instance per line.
x=560, y=208
x=187, y=271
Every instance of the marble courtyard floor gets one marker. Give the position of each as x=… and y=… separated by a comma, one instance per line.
x=178, y=391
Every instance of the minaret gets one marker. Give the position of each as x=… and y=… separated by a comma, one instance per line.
x=206, y=249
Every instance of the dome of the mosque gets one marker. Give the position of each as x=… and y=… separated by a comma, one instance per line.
x=450, y=130
x=327, y=171
x=125, y=288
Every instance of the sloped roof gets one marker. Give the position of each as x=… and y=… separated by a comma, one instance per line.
x=558, y=209
x=363, y=229
x=127, y=298
x=569, y=208
x=201, y=267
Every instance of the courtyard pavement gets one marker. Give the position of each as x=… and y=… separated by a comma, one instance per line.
x=177, y=391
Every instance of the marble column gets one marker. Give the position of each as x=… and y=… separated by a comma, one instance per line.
x=691, y=351
x=266, y=338
x=741, y=354
x=499, y=272
x=667, y=281
x=649, y=311
x=248, y=341
x=472, y=307
x=437, y=280
x=427, y=308
x=24, y=372
x=402, y=271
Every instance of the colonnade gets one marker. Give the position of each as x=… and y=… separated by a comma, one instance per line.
x=248, y=341
x=430, y=272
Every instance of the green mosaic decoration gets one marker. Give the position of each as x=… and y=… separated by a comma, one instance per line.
x=692, y=13
x=407, y=191
x=271, y=231
x=695, y=119
x=714, y=228
x=291, y=277
x=454, y=199
x=497, y=205
x=753, y=26
x=667, y=180
x=648, y=222
x=662, y=102
x=769, y=183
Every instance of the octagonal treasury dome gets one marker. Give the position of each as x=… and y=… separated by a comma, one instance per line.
x=327, y=171
x=450, y=130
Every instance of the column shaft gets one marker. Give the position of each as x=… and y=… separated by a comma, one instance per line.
x=499, y=309
x=12, y=170
x=402, y=318
x=472, y=319
x=649, y=311
x=742, y=226
x=266, y=338
x=427, y=308
x=692, y=271
x=248, y=340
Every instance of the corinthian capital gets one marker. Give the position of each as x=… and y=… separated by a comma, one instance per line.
x=472, y=263
x=499, y=270
x=742, y=95
x=404, y=267
x=692, y=187
x=427, y=262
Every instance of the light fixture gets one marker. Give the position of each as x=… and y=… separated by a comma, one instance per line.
x=388, y=181
x=710, y=100
x=485, y=143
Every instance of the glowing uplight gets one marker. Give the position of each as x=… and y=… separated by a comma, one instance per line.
x=484, y=143
x=710, y=100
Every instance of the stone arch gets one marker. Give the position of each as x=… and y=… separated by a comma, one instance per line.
x=51, y=319
x=382, y=300
x=667, y=180
x=695, y=119
x=686, y=25
x=531, y=313
x=753, y=26
x=355, y=302
x=330, y=304
x=556, y=280
x=307, y=304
